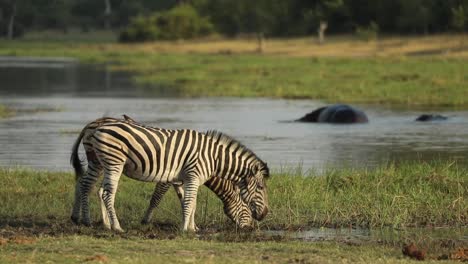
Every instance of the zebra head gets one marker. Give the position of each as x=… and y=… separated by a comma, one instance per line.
x=239, y=212
x=253, y=190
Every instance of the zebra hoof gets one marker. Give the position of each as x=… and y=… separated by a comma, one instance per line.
x=145, y=221
x=118, y=230
x=86, y=223
x=75, y=220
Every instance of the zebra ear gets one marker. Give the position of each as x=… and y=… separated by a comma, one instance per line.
x=127, y=118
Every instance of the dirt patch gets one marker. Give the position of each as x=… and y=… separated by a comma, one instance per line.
x=413, y=252
x=20, y=240
x=3, y=241
x=98, y=258
x=402, y=77
x=460, y=254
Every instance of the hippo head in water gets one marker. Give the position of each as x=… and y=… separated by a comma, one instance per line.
x=339, y=113
x=431, y=117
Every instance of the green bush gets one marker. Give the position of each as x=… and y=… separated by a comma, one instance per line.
x=368, y=33
x=181, y=22
x=140, y=29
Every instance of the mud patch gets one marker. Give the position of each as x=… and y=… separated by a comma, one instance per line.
x=413, y=252
x=19, y=240
x=461, y=254
x=403, y=77
x=97, y=258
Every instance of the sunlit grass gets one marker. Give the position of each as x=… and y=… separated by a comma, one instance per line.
x=36, y=228
x=408, y=195
x=84, y=249
x=345, y=70
x=5, y=111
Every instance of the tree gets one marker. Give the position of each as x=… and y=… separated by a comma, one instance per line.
x=11, y=20
x=459, y=17
x=459, y=20
x=107, y=14
x=180, y=22
x=415, y=16
x=319, y=14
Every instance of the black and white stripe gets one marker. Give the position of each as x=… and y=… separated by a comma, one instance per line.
x=166, y=156
x=234, y=207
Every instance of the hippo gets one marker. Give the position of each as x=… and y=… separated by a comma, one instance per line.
x=430, y=117
x=338, y=113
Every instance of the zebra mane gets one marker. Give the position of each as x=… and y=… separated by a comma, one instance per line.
x=224, y=139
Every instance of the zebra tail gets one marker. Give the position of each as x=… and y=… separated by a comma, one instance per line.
x=75, y=160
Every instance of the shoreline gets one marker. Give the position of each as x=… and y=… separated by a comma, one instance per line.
x=206, y=69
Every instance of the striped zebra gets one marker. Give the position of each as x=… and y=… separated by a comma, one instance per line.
x=168, y=156
x=234, y=207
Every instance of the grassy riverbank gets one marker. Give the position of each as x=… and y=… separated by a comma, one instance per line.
x=343, y=70
x=412, y=195
x=35, y=226
x=5, y=111
x=79, y=249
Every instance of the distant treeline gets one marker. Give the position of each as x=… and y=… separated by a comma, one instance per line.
x=231, y=17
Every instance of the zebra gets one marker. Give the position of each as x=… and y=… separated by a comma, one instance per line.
x=234, y=207
x=167, y=156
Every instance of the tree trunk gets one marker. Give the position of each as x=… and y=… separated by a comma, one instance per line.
x=11, y=22
x=107, y=14
x=321, y=31
x=260, y=42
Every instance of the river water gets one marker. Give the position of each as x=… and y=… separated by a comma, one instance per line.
x=55, y=99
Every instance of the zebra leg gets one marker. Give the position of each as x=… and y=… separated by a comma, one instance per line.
x=105, y=216
x=86, y=184
x=75, y=217
x=192, y=225
x=159, y=191
x=179, y=188
x=110, y=184
x=190, y=201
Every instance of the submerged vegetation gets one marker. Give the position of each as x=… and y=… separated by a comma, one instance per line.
x=343, y=70
x=407, y=195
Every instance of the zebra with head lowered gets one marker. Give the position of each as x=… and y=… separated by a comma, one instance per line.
x=167, y=156
x=234, y=207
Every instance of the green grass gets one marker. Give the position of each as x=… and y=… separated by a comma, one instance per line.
x=5, y=111
x=401, y=81
x=35, y=225
x=407, y=195
x=79, y=249
x=398, y=80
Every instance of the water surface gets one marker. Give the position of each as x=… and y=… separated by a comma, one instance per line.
x=55, y=100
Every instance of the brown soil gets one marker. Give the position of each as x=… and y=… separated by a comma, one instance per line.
x=413, y=252
x=98, y=258
x=461, y=254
